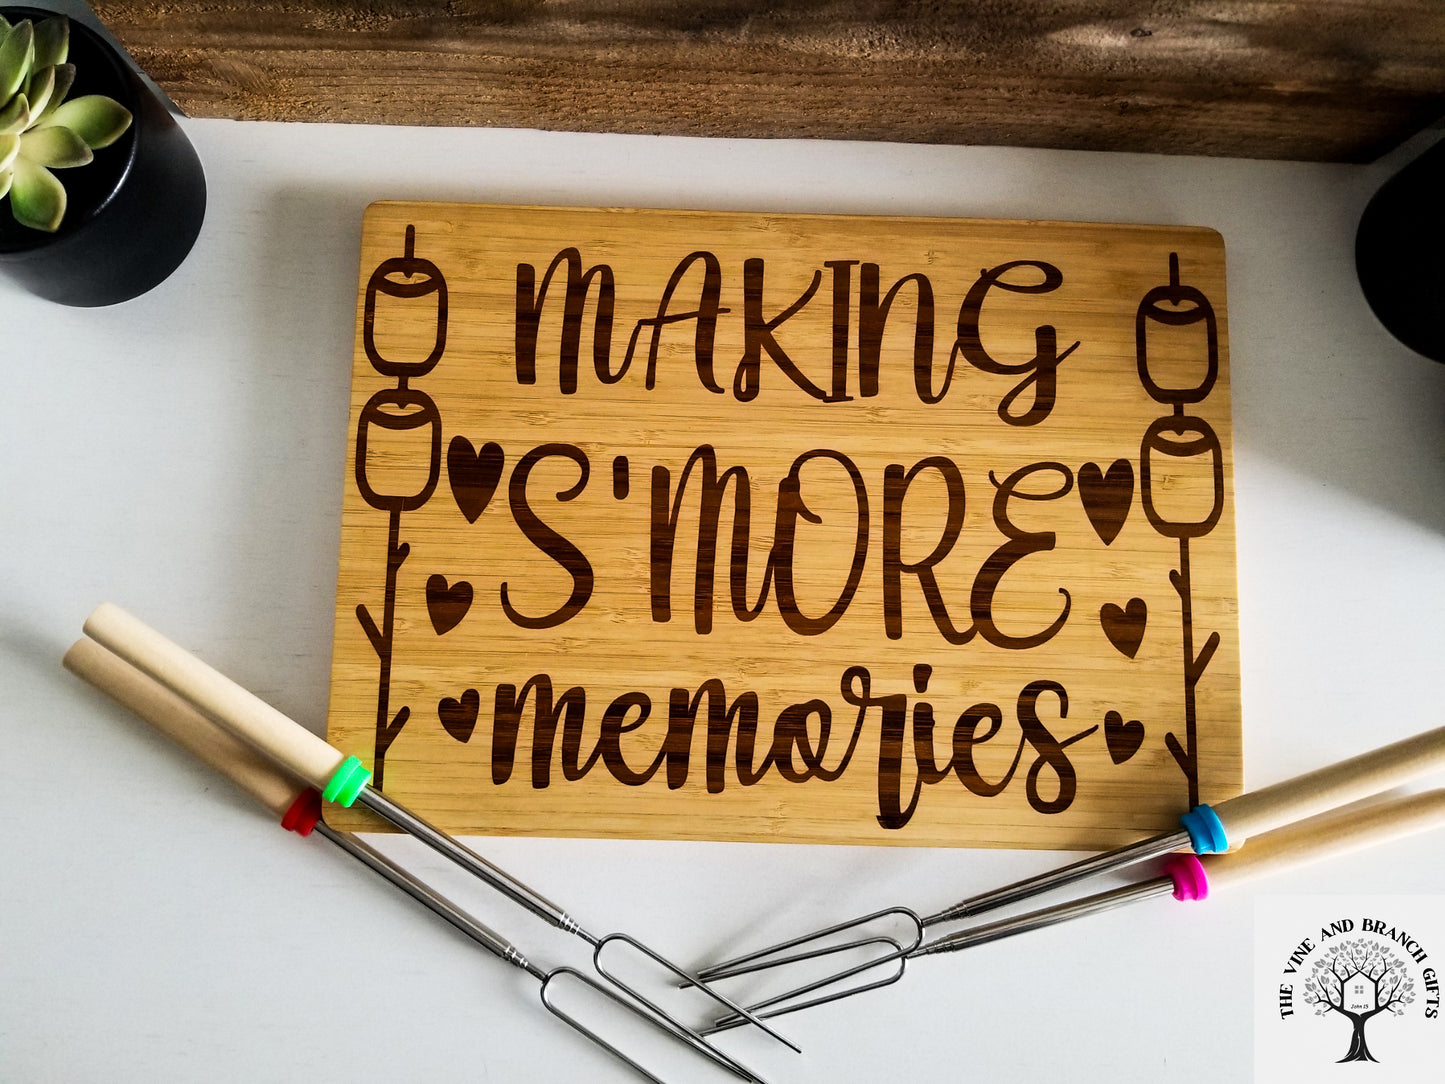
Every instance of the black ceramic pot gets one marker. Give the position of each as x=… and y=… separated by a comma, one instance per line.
x=1400, y=254
x=132, y=214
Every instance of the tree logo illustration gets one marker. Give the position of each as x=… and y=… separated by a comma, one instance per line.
x=1331, y=960
x=1359, y=979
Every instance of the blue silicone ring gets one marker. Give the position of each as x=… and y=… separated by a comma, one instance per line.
x=1206, y=832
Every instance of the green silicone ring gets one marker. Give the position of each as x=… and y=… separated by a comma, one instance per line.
x=347, y=782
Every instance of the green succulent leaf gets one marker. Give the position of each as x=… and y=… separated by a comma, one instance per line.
x=99, y=121
x=64, y=77
x=54, y=146
x=17, y=53
x=52, y=42
x=40, y=89
x=39, y=129
x=36, y=197
x=15, y=117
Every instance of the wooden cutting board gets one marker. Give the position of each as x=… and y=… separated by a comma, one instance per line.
x=804, y=528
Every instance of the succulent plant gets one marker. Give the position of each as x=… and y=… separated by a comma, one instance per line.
x=39, y=129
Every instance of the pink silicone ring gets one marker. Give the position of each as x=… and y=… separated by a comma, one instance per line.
x=1187, y=873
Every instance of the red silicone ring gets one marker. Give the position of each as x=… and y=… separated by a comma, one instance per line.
x=305, y=811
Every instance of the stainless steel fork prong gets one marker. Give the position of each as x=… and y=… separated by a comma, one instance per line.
x=498, y=946
x=520, y=893
x=767, y=958
x=784, y=1003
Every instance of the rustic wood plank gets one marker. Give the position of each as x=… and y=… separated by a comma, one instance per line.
x=1324, y=79
x=680, y=524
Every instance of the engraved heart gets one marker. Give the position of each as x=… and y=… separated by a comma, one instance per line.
x=447, y=605
x=473, y=475
x=1125, y=627
x=1123, y=739
x=1107, y=497
x=459, y=717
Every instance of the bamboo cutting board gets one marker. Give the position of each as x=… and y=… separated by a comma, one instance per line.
x=799, y=528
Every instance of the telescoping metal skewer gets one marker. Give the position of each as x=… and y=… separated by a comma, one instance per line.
x=550, y=980
x=299, y=809
x=345, y=780
x=1204, y=830
x=1184, y=876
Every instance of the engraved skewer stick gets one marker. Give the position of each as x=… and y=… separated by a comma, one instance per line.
x=397, y=410
x=1179, y=435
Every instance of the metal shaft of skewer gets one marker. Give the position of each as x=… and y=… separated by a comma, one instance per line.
x=504, y=950
x=1145, y=849
x=1048, y=916
x=539, y=905
x=785, y=1002
x=772, y=956
x=428, y=897
x=401, y=817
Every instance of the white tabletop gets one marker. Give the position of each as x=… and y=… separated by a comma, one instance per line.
x=182, y=455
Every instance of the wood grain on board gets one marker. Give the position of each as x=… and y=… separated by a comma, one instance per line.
x=1325, y=79
x=707, y=525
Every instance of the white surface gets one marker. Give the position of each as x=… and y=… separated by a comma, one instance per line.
x=182, y=456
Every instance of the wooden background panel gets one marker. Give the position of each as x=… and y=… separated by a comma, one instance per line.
x=1322, y=79
x=509, y=526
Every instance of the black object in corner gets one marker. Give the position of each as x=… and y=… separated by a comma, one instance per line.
x=1400, y=254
